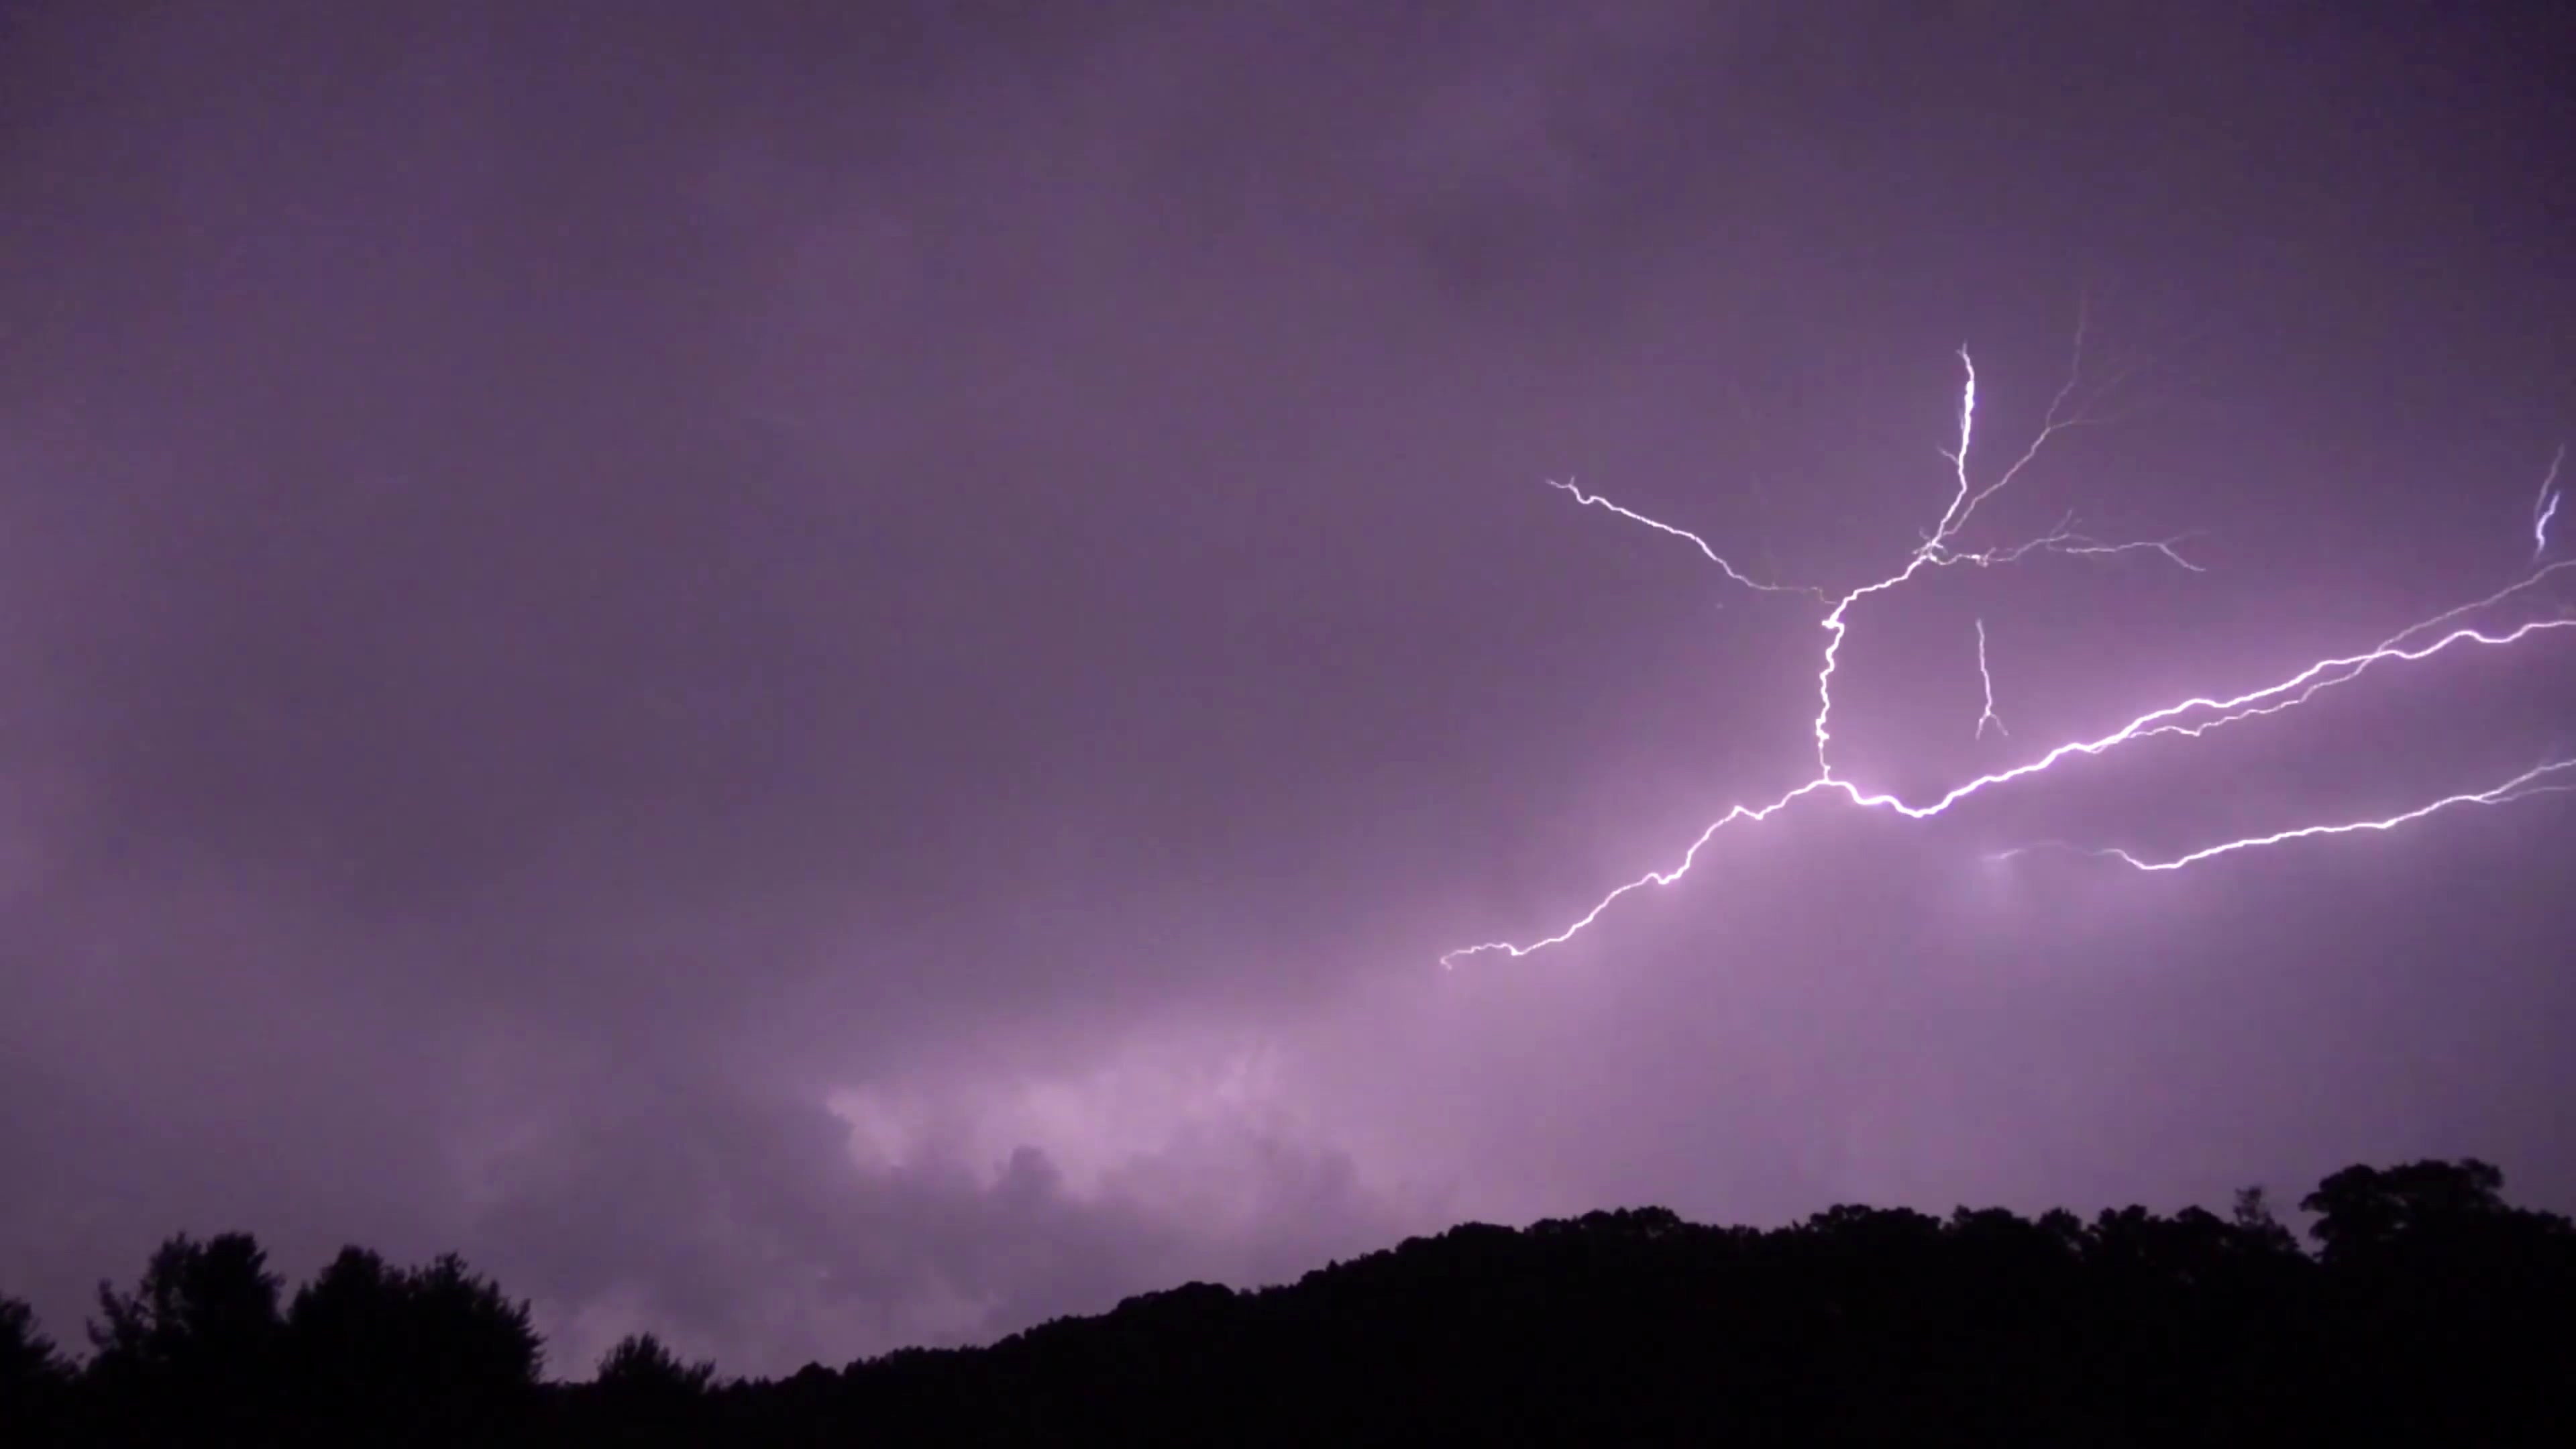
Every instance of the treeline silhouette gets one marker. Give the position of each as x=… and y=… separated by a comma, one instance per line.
x=2429, y=1307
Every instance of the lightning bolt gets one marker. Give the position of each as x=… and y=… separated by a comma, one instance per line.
x=1987, y=676
x=2545, y=507
x=2534, y=781
x=1595, y=500
x=2190, y=718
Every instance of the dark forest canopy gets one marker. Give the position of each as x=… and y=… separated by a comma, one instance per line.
x=2429, y=1305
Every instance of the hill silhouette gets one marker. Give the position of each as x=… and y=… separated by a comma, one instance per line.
x=2428, y=1307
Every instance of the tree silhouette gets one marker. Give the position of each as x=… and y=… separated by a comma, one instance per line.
x=205, y=1302
x=2442, y=1286
x=2432, y=1310
x=641, y=1368
x=2363, y=1210
x=34, y=1377
x=645, y=1394
x=428, y=1356
x=192, y=1349
x=2256, y=1225
x=27, y=1356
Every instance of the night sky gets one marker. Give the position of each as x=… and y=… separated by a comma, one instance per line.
x=823, y=676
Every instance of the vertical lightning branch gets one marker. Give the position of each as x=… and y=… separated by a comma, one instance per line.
x=2545, y=507
x=1986, y=676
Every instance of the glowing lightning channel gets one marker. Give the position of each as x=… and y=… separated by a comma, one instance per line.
x=1988, y=677
x=2147, y=725
x=1595, y=500
x=2325, y=674
x=2191, y=717
x=2520, y=787
x=2545, y=507
x=1934, y=552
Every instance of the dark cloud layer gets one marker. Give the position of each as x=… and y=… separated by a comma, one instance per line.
x=824, y=676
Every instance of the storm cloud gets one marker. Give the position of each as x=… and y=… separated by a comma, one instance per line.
x=824, y=677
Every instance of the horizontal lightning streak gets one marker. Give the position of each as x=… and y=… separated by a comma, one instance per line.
x=2305, y=685
x=2146, y=725
x=2178, y=719
x=2520, y=787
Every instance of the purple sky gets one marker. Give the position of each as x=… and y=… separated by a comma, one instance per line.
x=825, y=676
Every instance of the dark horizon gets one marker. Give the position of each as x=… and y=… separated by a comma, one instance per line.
x=77, y=1346
x=2425, y=1303
x=823, y=678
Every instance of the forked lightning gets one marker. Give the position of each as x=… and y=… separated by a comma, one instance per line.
x=2190, y=718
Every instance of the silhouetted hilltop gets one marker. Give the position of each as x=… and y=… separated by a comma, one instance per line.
x=2430, y=1307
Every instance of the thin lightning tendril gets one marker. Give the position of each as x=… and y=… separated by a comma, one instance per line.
x=2189, y=718
x=2520, y=787
x=1595, y=500
x=1987, y=676
x=2545, y=507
